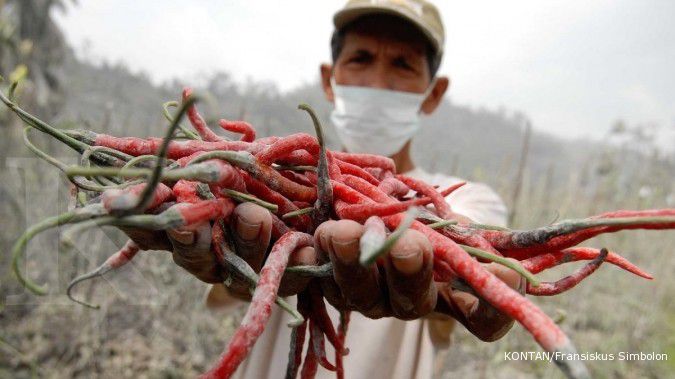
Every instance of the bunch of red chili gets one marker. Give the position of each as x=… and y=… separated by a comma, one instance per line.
x=187, y=177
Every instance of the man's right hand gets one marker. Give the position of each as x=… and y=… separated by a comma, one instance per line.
x=251, y=227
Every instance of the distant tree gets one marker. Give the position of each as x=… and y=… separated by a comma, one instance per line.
x=29, y=37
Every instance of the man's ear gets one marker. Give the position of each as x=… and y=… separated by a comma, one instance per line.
x=326, y=73
x=436, y=95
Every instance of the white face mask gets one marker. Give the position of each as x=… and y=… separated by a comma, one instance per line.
x=375, y=121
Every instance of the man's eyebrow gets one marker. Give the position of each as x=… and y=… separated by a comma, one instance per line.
x=413, y=50
x=363, y=51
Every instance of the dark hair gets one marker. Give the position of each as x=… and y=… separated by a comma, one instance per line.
x=376, y=22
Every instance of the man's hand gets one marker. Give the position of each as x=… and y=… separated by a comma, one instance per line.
x=477, y=315
x=251, y=227
x=404, y=288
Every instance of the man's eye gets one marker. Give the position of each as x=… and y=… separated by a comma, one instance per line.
x=402, y=63
x=360, y=59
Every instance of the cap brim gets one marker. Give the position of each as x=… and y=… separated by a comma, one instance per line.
x=346, y=16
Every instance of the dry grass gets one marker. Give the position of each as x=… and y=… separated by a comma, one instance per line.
x=611, y=312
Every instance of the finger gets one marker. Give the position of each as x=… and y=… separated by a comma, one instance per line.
x=409, y=272
x=321, y=231
x=484, y=320
x=252, y=229
x=330, y=289
x=293, y=283
x=468, y=303
x=191, y=251
x=359, y=286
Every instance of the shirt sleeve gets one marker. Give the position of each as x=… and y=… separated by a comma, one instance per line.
x=480, y=203
x=474, y=200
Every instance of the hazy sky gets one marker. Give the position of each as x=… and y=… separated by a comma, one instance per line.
x=573, y=66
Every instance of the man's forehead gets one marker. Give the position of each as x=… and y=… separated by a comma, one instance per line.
x=355, y=40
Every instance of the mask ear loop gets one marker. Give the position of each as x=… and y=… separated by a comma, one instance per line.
x=429, y=89
x=427, y=92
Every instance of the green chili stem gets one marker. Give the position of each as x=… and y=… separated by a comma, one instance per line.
x=441, y=224
x=244, y=197
x=86, y=154
x=99, y=271
x=146, y=196
x=369, y=257
x=167, y=114
x=40, y=153
x=191, y=172
x=204, y=191
x=241, y=159
x=324, y=190
x=515, y=266
x=297, y=213
x=43, y=126
x=322, y=271
x=139, y=159
x=489, y=227
x=19, y=247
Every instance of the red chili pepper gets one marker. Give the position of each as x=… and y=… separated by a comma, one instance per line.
x=244, y=128
x=260, y=309
x=120, y=200
x=198, y=122
x=566, y=283
x=543, y=262
x=287, y=145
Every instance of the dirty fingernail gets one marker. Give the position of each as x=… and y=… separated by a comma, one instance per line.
x=247, y=231
x=347, y=251
x=407, y=262
x=185, y=237
x=303, y=256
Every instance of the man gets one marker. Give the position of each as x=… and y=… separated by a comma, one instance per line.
x=385, y=57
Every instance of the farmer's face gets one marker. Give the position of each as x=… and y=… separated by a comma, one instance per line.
x=377, y=61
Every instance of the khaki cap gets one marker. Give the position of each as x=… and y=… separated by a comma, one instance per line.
x=421, y=13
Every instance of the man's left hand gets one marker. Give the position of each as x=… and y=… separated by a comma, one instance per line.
x=404, y=287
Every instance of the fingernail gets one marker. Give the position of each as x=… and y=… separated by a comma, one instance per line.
x=348, y=251
x=323, y=242
x=185, y=237
x=304, y=256
x=406, y=262
x=247, y=231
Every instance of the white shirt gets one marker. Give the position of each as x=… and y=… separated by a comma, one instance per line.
x=382, y=348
